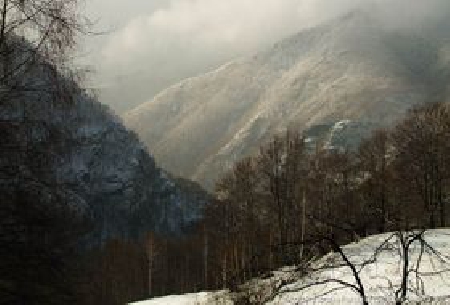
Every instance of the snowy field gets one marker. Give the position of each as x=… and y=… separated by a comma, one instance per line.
x=381, y=276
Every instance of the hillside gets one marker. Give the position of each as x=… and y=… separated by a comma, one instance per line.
x=352, y=69
x=59, y=136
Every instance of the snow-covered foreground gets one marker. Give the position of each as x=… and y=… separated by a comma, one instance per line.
x=381, y=275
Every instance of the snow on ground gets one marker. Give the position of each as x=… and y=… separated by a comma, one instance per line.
x=429, y=281
x=382, y=278
x=202, y=298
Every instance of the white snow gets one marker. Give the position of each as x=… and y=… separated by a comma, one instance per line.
x=380, y=278
x=189, y=299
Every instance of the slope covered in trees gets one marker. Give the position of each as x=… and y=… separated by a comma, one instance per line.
x=72, y=177
x=81, y=147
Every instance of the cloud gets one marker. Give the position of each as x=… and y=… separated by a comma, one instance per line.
x=186, y=37
x=200, y=28
x=215, y=27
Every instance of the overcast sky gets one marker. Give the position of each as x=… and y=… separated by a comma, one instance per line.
x=154, y=43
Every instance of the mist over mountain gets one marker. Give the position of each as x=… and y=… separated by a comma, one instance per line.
x=154, y=45
x=358, y=68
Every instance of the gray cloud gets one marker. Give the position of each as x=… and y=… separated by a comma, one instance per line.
x=174, y=39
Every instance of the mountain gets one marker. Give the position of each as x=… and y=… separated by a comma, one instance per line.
x=58, y=137
x=351, y=69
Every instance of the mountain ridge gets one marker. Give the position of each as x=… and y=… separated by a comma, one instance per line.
x=351, y=68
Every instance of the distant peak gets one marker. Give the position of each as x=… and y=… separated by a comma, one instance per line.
x=360, y=15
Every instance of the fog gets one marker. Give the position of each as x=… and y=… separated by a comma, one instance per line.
x=153, y=44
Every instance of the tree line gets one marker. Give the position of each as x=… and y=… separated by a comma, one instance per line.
x=279, y=207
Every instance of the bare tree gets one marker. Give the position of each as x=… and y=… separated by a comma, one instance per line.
x=49, y=27
x=374, y=160
x=37, y=223
x=422, y=160
x=410, y=246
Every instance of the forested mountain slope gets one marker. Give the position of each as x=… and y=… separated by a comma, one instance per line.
x=57, y=139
